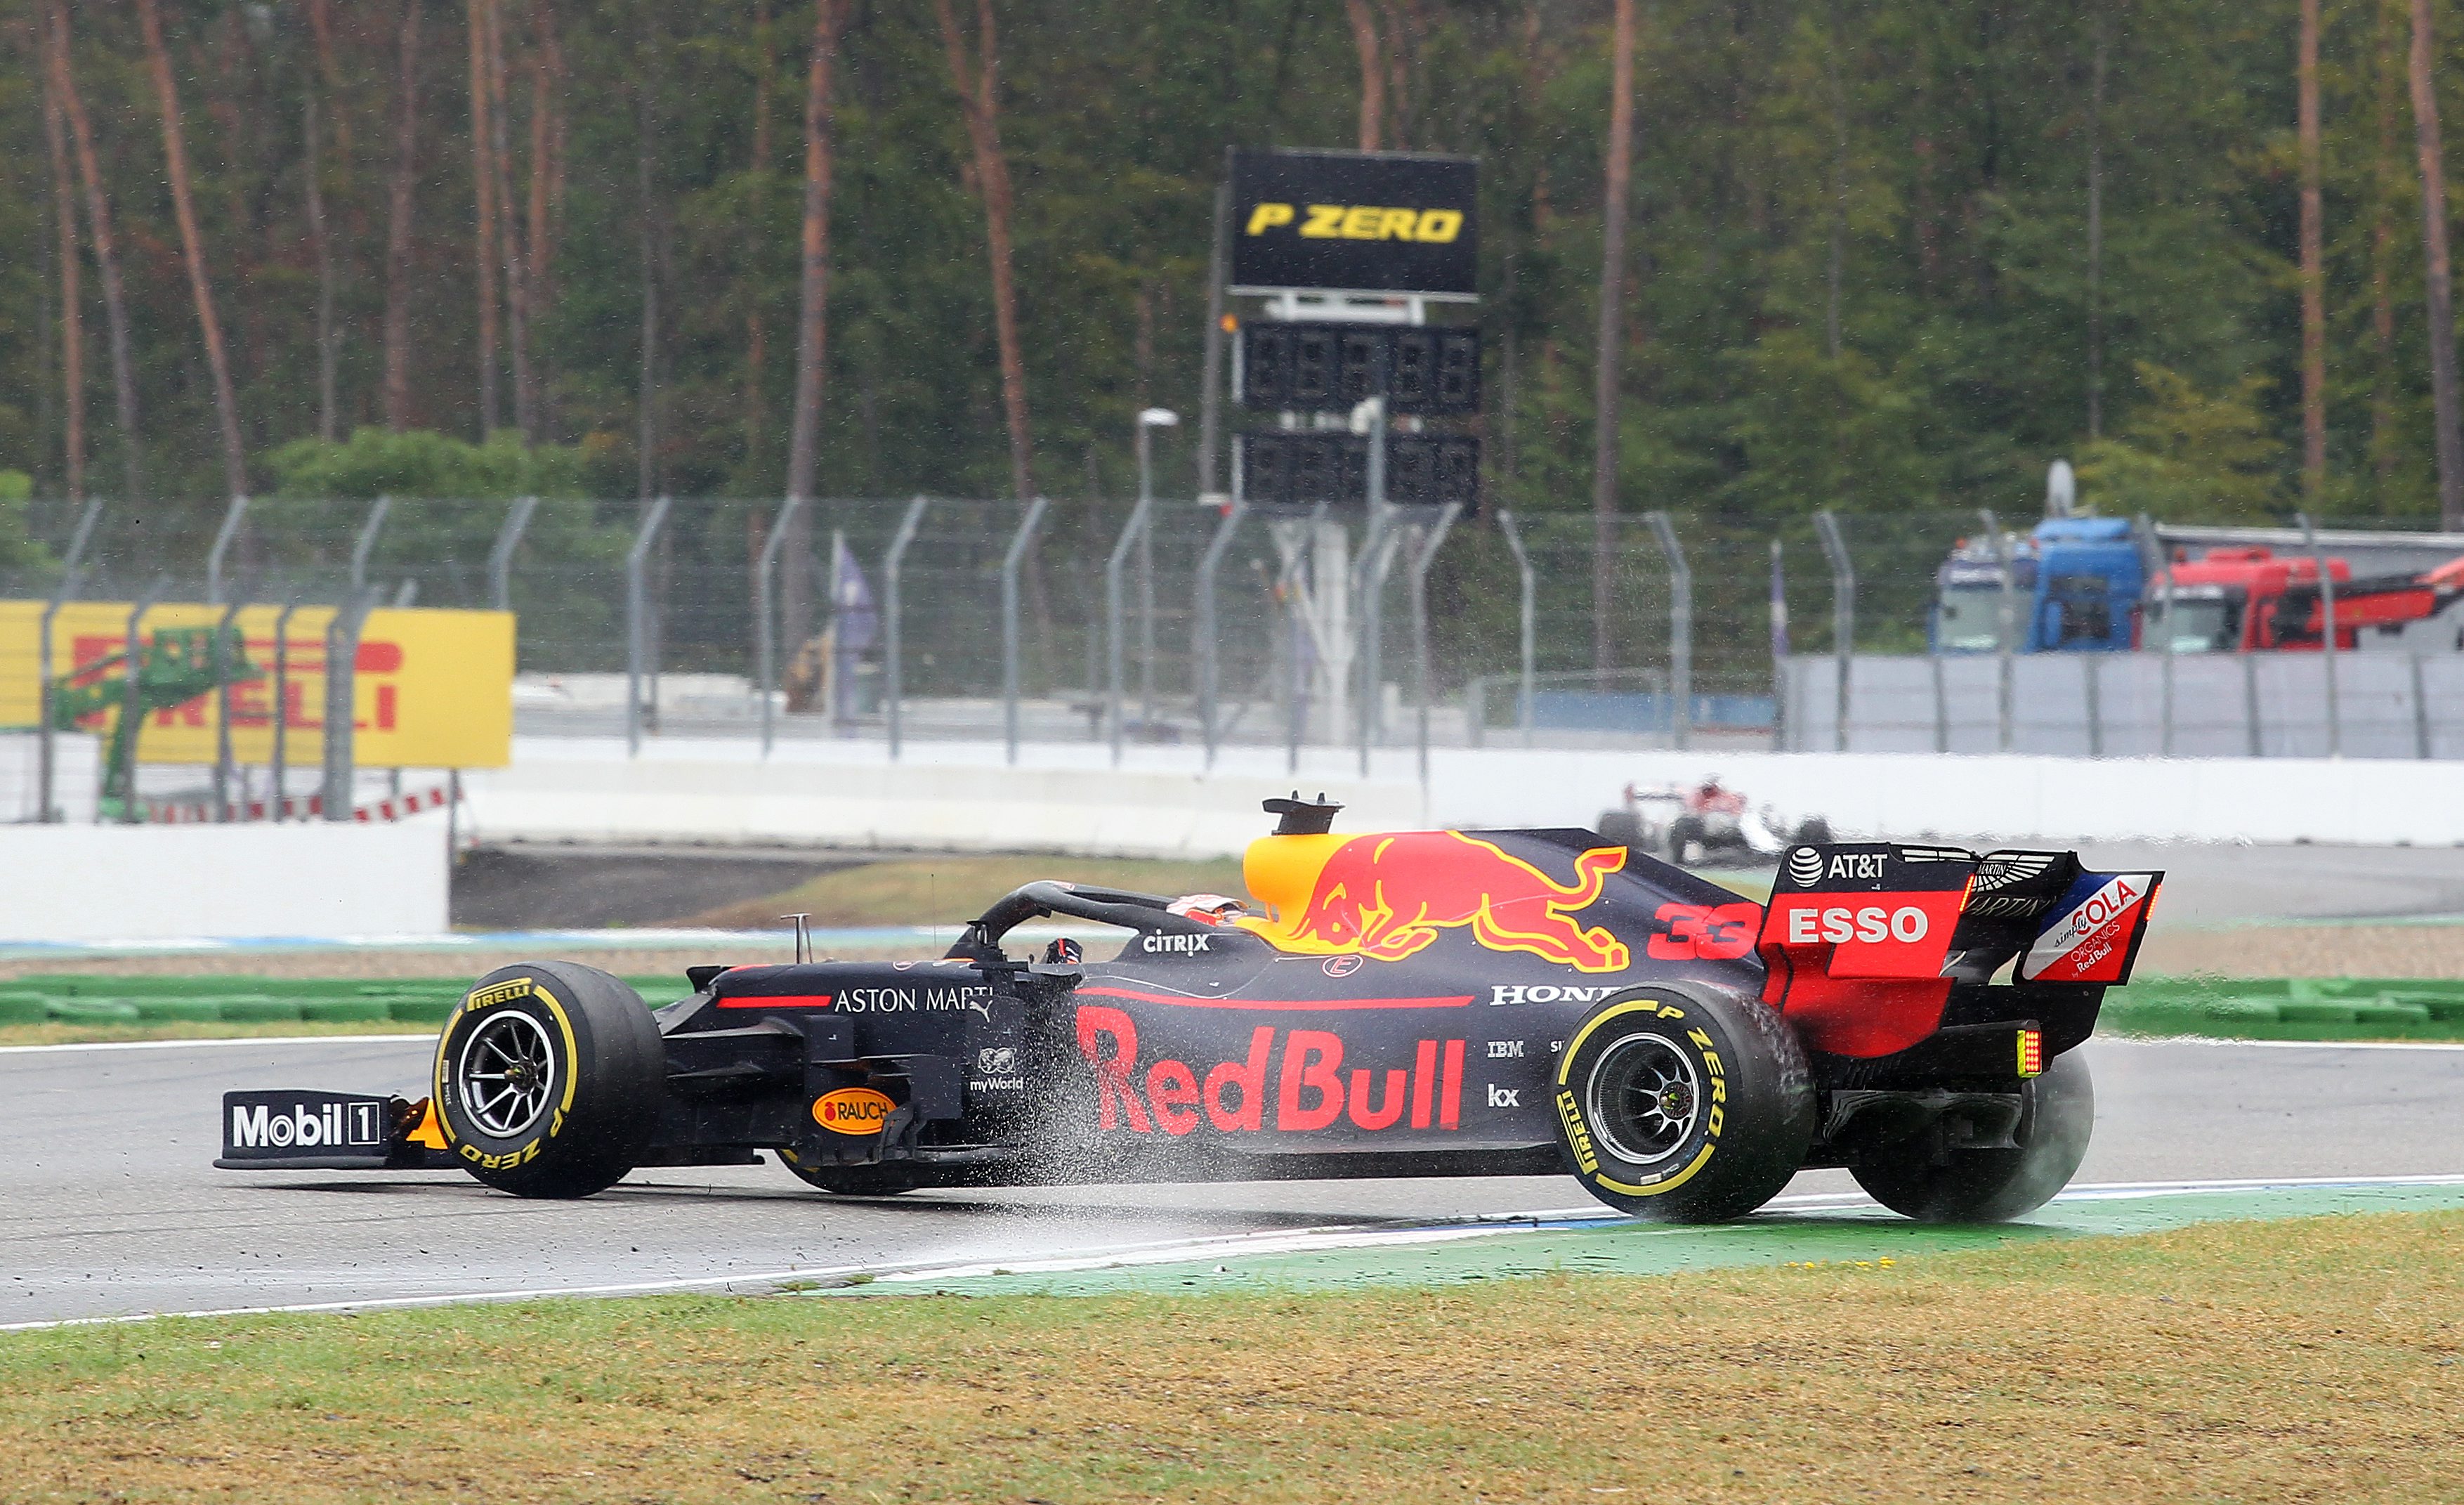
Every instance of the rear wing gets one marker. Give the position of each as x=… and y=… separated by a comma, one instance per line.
x=1864, y=940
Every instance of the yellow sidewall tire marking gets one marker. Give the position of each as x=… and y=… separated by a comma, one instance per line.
x=1650, y=1006
x=1565, y=1071
x=572, y=1064
x=1670, y=1184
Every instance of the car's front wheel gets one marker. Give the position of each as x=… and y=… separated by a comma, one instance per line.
x=549, y=1079
x=2057, y=1115
x=1683, y=1107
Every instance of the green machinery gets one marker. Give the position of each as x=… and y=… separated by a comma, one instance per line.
x=178, y=665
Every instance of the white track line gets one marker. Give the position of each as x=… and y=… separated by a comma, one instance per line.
x=1335, y=1236
x=175, y=1045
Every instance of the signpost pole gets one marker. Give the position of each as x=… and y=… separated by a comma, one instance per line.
x=1426, y=542
x=1210, y=377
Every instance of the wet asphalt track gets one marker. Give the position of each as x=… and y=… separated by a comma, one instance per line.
x=108, y=1204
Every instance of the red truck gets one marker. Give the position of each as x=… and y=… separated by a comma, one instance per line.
x=2246, y=600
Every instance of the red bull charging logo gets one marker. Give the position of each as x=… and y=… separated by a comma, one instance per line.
x=1388, y=896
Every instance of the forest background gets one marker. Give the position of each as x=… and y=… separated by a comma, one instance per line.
x=1879, y=255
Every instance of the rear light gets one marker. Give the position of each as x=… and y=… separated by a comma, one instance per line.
x=2032, y=1052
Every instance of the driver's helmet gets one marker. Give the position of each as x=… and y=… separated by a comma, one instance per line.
x=1212, y=909
x=1063, y=951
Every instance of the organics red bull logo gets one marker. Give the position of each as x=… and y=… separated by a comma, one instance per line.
x=1388, y=896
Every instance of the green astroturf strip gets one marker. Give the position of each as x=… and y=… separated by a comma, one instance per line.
x=1827, y=1236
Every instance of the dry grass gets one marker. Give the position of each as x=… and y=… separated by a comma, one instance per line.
x=2311, y=1360
x=950, y=891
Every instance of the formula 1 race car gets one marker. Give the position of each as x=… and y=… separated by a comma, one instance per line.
x=1402, y=1003
x=1689, y=822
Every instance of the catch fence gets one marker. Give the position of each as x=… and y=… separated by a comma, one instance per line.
x=1095, y=620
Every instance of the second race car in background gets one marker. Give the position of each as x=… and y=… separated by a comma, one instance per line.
x=1686, y=823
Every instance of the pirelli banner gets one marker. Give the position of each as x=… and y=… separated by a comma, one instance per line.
x=430, y=689
x=1355, y=222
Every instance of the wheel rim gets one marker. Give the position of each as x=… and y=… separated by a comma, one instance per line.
x=505, y=1074
x=1645, y=1099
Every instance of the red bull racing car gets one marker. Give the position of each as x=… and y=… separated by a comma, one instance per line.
x=1398, y=1004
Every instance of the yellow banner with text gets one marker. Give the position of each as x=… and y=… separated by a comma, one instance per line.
x=430, y=689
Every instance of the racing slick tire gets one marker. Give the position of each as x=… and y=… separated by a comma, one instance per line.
x=2057, y=1115
x=1682, y=1106
x=1620, y=828
x=549, y=1078
x=1684, y=833
x=854, y=1181
x=1813, y=831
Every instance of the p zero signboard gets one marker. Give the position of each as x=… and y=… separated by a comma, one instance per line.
x=1354, y=222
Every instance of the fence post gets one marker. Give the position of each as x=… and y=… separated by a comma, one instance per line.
x=2420, y=710
x=132, y=719
x=765, y=612
x=342, y=703
x=1010, y=563
x=500, y=558
x=1843, y=615
x=277, y=763
x=1113, y=627
x=72, y=574
x=1778, y=650
x=2159, y=567
x=1209, y=652
x=223, y=712
x=894, y=669
x=2092, y=665
x=1363, y=578
x=223, y=536
x=2327, y=635
x=2005, y=629
x=1681, y=632
x=1529, y=622
x=637, y=625
x=367, y=542
x=1369, y=418
x=2250, y=703
x=1424, y=553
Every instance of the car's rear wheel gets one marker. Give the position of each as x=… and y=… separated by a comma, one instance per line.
x=549, y=1078
x=2057, y=1116
x=1620, y=828
x=1684, y=1106
x=854, y=1181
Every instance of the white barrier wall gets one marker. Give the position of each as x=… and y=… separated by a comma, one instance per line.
x=1160, y=803
x=73, y=883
